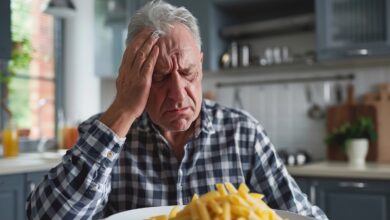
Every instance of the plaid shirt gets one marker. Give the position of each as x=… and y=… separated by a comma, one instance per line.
x=103, y=174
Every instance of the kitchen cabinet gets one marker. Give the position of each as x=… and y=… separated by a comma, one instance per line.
x=14, y=190
x=111, y=20
x=213, y=18
x=344, y=199
x=304, y=184
x=5, y=30
x=32, y=180
x=351, y=28
x=12, y=197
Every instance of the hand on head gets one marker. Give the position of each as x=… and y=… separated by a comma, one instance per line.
x=135, y=73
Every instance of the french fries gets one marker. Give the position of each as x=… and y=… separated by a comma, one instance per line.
x=227, y=203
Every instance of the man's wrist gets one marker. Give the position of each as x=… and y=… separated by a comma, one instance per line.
x=118, y=119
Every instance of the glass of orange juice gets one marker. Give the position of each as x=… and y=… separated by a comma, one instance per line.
x=10, y=140
x=70, y=136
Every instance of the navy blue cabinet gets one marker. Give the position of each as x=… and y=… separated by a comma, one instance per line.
x=12, y=197
x=343, y=199
x=32, y=180
x=352, y=28
x=304, y=184
x=14, y=190
x=5, y=29
x=353, y=199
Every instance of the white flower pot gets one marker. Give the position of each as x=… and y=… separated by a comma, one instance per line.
x=357, y=150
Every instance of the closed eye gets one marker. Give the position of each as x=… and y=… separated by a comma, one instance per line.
x=189, y=75
x=160, y=77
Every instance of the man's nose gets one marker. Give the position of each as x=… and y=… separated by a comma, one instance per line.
x=176, y=87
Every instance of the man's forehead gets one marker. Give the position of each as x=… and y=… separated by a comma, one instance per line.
x=165, y=63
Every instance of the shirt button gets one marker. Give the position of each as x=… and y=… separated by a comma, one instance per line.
x=110, y=154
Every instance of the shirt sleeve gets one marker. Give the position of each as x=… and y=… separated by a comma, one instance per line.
x=271, y=178
x=78, y=187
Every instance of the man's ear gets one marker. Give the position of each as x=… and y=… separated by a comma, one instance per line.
x=201, y=57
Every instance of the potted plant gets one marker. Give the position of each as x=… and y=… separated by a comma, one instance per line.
x=354, y=137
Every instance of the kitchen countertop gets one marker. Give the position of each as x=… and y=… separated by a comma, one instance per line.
x=342, y=170
x=30, y=162
x=34, y=162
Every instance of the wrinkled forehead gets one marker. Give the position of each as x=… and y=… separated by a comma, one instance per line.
x=179, y=46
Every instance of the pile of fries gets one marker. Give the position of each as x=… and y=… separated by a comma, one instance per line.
x=227, y=203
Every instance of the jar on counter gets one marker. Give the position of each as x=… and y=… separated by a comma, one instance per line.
x=10, y=140
x=244, y=55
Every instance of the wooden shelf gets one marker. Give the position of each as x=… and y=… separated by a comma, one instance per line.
x=299, y=67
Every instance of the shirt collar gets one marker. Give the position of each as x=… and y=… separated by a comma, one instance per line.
x=204, y=121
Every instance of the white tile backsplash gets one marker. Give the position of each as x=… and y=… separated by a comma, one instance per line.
x=282, y=108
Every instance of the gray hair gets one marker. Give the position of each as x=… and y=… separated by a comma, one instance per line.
x=161, y=16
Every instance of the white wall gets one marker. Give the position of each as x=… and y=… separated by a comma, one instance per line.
x=82, y=87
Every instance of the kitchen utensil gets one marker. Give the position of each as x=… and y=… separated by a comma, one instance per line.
x=315, y=111
x=347, y=112
x=237, y=101
x=339, y=93
x=381, y=102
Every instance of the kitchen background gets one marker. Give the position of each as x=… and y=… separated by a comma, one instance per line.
x=301, y=53
x=280, y=107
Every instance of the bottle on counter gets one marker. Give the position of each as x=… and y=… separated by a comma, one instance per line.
x=10, y=140
x=60, y=128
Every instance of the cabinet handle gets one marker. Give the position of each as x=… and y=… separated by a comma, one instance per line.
x=358, y=52
x=313, y=192
x=352, y=185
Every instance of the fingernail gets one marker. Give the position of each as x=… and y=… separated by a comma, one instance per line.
x=156, y=34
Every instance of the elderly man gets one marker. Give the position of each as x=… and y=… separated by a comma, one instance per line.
x=160, y=142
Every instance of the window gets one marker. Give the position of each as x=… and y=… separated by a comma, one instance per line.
x=31, y=90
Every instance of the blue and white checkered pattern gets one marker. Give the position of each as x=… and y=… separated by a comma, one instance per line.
x=104, y=174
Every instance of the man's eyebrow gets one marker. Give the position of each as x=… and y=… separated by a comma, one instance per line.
x=189, y=67
x=160, y=72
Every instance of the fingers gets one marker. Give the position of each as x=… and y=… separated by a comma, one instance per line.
x=135, y=44
x=150, y=63
x=144, y=52
x=137, y=51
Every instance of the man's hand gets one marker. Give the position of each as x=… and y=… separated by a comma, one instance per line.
x=135, y=73
x=133, y=82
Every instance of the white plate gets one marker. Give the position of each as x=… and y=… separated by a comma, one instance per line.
x=145, y=213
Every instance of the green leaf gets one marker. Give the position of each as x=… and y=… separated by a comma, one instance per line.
x=361, y=128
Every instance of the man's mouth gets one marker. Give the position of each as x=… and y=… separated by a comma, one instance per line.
x=178, y=110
